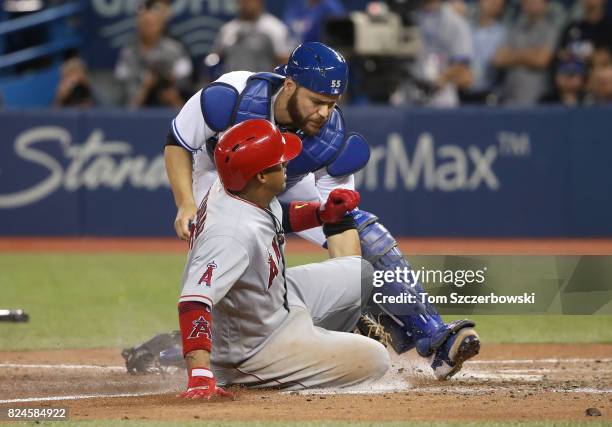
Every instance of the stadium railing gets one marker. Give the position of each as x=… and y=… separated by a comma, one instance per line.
x=61, y=39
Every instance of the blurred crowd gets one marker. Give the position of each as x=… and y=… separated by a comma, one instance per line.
x=515, y=53
x=494, y=52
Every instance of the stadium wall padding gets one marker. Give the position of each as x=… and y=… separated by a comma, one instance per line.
x=471, y=172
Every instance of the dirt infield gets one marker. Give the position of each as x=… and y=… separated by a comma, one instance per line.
x=506, y=382
x=410, y=246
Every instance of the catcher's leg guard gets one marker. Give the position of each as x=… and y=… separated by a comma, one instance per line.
x=410, y=325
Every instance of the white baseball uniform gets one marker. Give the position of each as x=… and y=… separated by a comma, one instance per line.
x=191, y=131
x=273, y=327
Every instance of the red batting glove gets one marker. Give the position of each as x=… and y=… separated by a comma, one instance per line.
x=339, y=202
x=202, y=385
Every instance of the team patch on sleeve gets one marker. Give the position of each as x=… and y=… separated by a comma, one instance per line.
x=207, y=277
x=201, y=329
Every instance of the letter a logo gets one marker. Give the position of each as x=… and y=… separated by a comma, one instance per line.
x=201, y=327
x=207, y=276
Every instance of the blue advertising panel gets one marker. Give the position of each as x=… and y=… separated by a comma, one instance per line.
x=466, y=172
x=470, y=172
x=99, y=173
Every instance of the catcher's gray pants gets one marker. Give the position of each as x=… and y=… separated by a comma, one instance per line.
x=309, y=349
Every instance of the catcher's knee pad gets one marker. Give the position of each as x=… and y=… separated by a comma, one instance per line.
x=410, y=324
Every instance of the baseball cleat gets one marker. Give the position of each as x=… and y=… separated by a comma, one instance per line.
x=459, y=347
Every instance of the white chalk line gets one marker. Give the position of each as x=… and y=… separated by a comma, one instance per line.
x=82, y=396
x=489, y=375
x=521, y=361
x=462, y=390
x=584, y=390
x=63, y=366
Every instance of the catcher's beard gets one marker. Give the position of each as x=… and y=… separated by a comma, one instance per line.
x=298, y=120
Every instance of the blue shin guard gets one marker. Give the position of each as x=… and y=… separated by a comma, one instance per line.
x=410, y=325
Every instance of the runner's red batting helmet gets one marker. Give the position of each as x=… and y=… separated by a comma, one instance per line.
x=250, y=147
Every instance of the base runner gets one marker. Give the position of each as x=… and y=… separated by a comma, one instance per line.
x=245, y=318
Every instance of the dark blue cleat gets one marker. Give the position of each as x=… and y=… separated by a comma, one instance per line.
x=458, y=347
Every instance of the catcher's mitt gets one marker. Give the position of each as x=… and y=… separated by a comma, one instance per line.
x=371, y=327
x=144, y=359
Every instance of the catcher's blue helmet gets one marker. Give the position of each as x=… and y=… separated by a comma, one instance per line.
x=317, y=67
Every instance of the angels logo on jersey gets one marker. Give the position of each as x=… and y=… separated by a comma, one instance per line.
x=197, y=227
x=273, y=270
x=207, y=276
x=201, y=327
x=273, y=264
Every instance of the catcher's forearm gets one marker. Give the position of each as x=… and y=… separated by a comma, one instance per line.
x=344, y=244
x=178, y=167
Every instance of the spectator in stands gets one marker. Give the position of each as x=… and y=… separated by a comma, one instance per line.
x=442, y=64
x=154, y=69
x=602, y=57
x=74, y=88
x=581, y=38
x=460, y=7
x=488, y=33
x=526, y=54
x=600, y=86
x=556, y=12
x=306, y=18
x=255, y=40
x=569, y=85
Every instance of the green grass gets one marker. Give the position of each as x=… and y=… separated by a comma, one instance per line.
x=88, y=300
x=557, y=329
x=101, y=300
